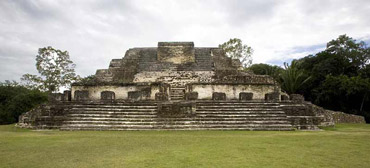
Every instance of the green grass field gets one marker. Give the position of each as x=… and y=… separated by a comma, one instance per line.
x=343, y=146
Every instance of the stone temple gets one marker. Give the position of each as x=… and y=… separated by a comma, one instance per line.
x=176, y=86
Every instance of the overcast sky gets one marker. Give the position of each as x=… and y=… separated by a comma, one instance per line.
x=94, y=32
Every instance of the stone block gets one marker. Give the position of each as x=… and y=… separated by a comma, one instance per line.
x=284, y=97
x=273, y=96
x=218, y=96
x=340, y=117
x=81, y=95
x=245, y=96
x=139, y=95
x=176, y=52
x=191, y=96
x=161, y=96
x=297, y=98
x=177, y=109
x=135, y=95
x=53, y=97
x=107, y=95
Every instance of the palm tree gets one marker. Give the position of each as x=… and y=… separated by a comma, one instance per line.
x=292, y=78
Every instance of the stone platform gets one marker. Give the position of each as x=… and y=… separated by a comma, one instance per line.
x=174, y=115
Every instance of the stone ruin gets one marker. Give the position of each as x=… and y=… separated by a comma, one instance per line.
x=176, y=86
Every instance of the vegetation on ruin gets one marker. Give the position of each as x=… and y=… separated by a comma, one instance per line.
x=16, y=99
x=235, y=49
x=345, y=145
x=266, y=69
x=55, y=68
x=337, y=78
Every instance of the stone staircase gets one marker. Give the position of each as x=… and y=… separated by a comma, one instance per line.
x=111, y=116
x=220, y=115
x=177, y=93
x=242, y=115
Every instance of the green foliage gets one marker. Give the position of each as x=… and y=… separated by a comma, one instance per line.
x=88, y=80
x=15, y=100
x=9, y=83
x=235, y=49
x=292, y=78
x=266, y=69
x=336, y=78
x=344, y=93
x=339, y=76
x=55, y=68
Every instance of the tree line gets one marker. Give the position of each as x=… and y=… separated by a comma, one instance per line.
x=337, y=78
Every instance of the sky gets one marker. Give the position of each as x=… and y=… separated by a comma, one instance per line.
x=94, y=32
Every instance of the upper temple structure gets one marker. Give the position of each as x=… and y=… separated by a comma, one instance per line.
x=175, y=71
x=177, y=86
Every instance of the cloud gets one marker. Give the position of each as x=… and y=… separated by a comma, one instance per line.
x=94, y=32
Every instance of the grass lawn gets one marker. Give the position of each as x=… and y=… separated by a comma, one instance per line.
x=343, y=146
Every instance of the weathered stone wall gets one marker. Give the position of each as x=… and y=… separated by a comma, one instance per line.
x=340, y=117
x=46, y=116
x=181, y=77
x=232, y=91
x=303, y=115
x=121, y=92
x=176, y=52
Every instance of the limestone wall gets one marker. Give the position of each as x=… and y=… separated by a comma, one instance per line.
x=232, y=91
x=121, y=92
x=181, y=77
x=340, y=117
x=176, y=52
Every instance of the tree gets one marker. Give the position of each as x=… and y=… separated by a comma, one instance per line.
x=292, y=78
x=9, y=83
x=344, y=93
x=55, y=68
x=340, y=76
x=16, y=99
x=266, y=69
x=235, y=49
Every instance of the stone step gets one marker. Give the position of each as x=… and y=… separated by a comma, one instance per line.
x=170, y=129
x=112, y=109
x=239, y=109
x=124, y=103
x=114, y=106
x=177, y=98
x=236, y=104
x=208, y=126
x=239, y=115
x=210, y=115
x=177, y=91
x=177, y=95
x=113, y=115
x=179, y=88
x=176, y=122
x=224, y=102
x=114, y=112
x=239, y=112
x=253, y=118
